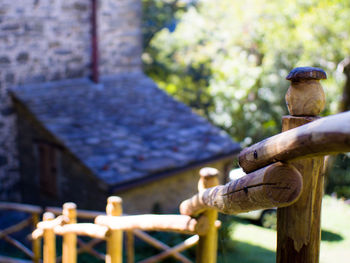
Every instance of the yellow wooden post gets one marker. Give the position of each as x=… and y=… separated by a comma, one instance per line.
x=69, y=247
x=130, y=246
x=207, y=244
x=36, y=243
x=49, y=249
x=115, y=239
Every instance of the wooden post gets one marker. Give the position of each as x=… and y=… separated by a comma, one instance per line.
x=130, y=246
x=69, y=247
x=207, y=244
x=115, y=239
x=298, y=225
x=49, y=249
x=36, y=243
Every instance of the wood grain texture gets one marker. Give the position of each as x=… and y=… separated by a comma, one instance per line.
x=305, y=98
x=324, y=136
x=298, y=225
x=274, y=186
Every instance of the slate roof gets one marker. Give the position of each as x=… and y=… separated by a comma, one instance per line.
x=125, y=128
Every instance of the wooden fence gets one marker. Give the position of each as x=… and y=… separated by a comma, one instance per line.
x=284, y=171
x=33, y=218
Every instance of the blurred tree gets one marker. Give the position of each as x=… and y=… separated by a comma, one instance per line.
x=159, y=14
x=228, y=59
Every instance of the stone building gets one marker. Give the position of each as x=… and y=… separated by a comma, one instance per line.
x=64, y=137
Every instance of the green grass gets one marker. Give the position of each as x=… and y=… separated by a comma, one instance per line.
x=251, y=243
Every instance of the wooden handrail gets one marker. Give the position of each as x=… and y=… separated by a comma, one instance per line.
x=52, y=223
x=324, y=136
x=83, y=214
x=277, y=185
x=21, y=207
x=82, y=229
x=168, y=223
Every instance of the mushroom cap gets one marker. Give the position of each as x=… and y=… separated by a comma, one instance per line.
x=305, y=73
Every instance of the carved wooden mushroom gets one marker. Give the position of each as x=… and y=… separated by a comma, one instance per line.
x=305, y=95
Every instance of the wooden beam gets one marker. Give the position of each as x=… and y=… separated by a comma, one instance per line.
x=160, y=245
x=82, y=229
x=50, y=224
x=324, y=136
x=170, y=223
x=277, y=185
x=21, y=207
x=19, y=245
x=37, y=233
x=190, y=242
x=15, y=228
x=89, y=248
x=14, y=260
x=83, y=214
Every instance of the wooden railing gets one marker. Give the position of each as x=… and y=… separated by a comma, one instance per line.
x=284, y=171
x=33, y=218
x=109, y=228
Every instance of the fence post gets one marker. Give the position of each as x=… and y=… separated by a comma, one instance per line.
x=115, y=238
x=49, y=248
x=130, y=246
x=207, y=244
x=36, y=243
x=298, y=225
x=69, y=247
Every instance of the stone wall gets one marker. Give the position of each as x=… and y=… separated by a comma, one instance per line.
x=165, y=195
x=45, y=40
x=120, y=44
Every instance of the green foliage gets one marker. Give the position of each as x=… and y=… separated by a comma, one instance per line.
x=339, y=181
x=257, y=244
x=228, y=59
